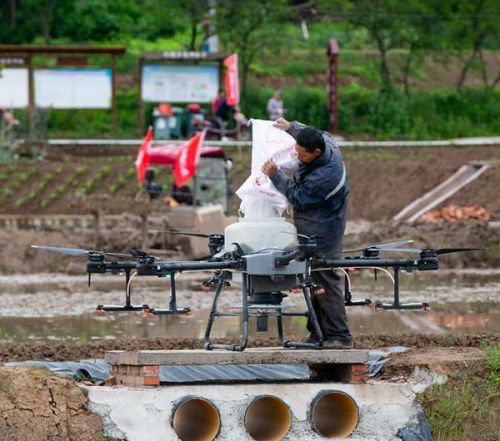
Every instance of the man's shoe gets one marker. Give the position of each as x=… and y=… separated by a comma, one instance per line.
x=333, y=343
x=312, y=339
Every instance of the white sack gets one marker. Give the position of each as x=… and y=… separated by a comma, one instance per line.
x=259, y=197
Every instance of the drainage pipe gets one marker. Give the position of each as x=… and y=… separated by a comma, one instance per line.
x=267, y=418
x=334, y=414
x=196, y=419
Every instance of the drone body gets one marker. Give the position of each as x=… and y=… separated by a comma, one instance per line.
x=269, y=258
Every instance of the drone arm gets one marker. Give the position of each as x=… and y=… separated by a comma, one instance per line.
x=422, y=264
x=104, y=267
x=161, y=268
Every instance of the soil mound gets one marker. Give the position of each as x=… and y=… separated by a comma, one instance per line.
x=38, y=406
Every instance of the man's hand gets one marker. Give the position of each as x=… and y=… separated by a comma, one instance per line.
x=282, y=123
x=269, y=168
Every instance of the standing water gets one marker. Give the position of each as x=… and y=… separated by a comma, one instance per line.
x=62, y=307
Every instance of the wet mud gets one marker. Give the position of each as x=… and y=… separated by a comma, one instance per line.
x=74, y=351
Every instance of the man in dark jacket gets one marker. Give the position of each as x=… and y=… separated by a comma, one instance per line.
x=318, y=193
x=222, y=115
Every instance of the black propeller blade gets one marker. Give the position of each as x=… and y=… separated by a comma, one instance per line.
x=187, y=233
x=298, y=235
x=381, y=246
x=437, y=251
x=138, y=253
x=77, y=252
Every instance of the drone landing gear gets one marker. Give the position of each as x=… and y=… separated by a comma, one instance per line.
x=306, y=285
x=172, y=307
x=262, y=306
x=348, y=300
x=128, y=303
x=128, y=306
x=118, y=308
x=397, y=304
x=380, y=305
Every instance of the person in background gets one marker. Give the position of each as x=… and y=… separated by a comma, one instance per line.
x=217, y=100
x=222, y=115
x=275, y=106
x=318, y=193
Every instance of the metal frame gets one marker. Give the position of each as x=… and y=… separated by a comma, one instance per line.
x=262, y=312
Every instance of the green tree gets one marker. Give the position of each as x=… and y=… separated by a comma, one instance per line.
x=380, y=18
x=247, y=28
x=473, y=26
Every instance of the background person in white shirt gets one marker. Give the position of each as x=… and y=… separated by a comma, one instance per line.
x=275, y=107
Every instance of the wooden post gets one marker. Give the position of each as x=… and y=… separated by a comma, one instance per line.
x=333, y=54
x=31, y=99
x=140, y=104
x=113, y=95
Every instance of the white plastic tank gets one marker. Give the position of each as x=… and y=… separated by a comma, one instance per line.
x=261, y=234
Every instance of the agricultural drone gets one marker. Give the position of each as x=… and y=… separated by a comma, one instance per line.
x=265, y=275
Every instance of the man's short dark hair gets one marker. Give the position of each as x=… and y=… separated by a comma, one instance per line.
x=311, y=139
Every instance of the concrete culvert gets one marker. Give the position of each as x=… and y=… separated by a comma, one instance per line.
x=267, y=418
x=334, y=414
x=196, y=419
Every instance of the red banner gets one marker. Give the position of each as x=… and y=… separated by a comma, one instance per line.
x=231, y=82
x=143, y=159
x=187, y=159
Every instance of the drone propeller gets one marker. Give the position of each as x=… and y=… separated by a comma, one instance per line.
x=298, y=235
x=437, y=251
x=188, y=233
x=381, y=246
x=134, y=252
x=77, y=252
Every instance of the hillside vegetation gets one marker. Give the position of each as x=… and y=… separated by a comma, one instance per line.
x=407, y=69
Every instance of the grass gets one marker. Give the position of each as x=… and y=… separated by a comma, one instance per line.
x=467, y=407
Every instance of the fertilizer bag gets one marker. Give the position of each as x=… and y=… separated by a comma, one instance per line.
x=259, y=197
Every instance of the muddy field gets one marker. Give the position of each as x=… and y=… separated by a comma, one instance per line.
x=16, y=255
x=383, y=181
x=47, y=311
x=63, y=351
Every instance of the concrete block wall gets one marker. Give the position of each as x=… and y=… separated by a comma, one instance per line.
x=145, y=414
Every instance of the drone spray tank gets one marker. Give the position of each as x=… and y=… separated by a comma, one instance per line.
x=261, y=236
x=255, y=235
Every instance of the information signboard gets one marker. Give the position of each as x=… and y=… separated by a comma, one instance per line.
x=73, y=88
x=14, y=88
x=180, y=84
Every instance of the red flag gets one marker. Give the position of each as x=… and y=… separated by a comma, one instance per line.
x=187, y=158
x=231, y=81
x=143, y=158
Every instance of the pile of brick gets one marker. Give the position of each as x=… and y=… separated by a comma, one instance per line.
x=453, y=214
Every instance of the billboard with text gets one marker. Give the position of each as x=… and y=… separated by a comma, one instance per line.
x=180, y=84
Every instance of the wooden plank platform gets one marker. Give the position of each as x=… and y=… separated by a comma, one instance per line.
x=142, y=368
